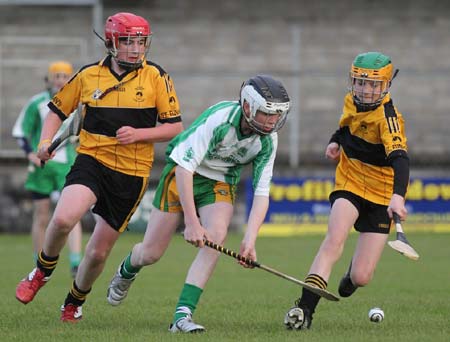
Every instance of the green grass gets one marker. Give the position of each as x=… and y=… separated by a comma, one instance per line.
x=237, y=304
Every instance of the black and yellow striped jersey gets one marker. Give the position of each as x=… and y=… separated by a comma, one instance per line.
x=367, y=139
x=139, y=98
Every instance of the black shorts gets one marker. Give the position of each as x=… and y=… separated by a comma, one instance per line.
x=37, y=196
x=373, y=218
x=118, y=195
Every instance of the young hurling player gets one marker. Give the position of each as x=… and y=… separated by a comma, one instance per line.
x=124, y=98
x=204, y=165
x=43, y=182
x=372, y=176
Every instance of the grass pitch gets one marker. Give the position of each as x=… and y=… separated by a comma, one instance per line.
x=237, y=304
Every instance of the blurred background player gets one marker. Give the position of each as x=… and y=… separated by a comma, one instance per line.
x=372, y=177
x=42, y=183
x=124, y=97
x=204, y=165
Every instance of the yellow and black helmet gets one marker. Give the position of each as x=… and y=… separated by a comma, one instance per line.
x=60, y=67
x=370, y=78
x=58, y=73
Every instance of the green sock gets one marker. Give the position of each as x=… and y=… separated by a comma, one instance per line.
x=127, y=270
x=189, y=297
x=75, y=259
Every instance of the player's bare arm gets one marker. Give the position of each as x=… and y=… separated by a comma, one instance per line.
x=165, y=132
x=51, y=125
x=194, y=232
x=255, y=220
x=33, y=158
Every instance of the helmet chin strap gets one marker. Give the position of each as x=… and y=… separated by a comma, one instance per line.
x=361, y=107
x=127, y=66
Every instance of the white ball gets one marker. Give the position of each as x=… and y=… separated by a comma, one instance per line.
x=376, y=315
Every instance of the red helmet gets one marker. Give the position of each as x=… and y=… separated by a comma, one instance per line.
x=125, y=25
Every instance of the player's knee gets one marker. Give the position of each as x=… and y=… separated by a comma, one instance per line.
x=96, y=256
x=361, y=278
x=333, y=246
x=149, y=256
x=218, y=234
x=149, y=259
x=62, y=223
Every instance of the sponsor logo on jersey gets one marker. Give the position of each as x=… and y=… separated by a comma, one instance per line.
x=139, y=96
x=169, y=114
x=57, y=101
x=188, y=155
x=97, y=94
x=222, y=192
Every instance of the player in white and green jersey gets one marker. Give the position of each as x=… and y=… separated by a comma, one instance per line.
x=43, y=182
x=215, y=148
x=204, y=165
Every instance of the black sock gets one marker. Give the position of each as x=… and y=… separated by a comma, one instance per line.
x=310, y=299
x=76, y=296
x=46, y=264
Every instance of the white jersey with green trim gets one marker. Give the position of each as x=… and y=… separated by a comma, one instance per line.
x=29, y=125
x=214, y=147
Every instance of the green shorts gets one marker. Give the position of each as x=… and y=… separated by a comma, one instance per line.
x=47, y=179
x=206, y=191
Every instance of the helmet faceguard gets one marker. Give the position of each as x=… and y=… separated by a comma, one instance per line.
x=370, y=78
x=127, y=38
x=267, y=95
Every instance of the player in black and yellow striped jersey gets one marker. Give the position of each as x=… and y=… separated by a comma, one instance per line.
x=372, y=177
x=124, y=97
x=137, y=98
